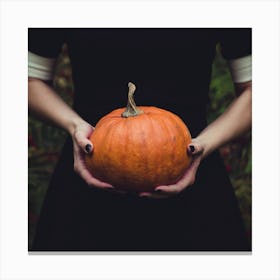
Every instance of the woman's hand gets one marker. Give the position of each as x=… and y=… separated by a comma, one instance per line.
x=194, y=149
x=81, y=147
x=45, y=103
x=235, y=121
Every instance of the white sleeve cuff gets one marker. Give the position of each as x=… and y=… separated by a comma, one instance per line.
x=241, y=69
x=40, y=67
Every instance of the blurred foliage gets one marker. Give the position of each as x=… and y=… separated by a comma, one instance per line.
x=45, y=142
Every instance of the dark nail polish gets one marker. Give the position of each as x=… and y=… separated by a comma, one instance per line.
x=192, y=148
x=158, y=191
x=88, y=148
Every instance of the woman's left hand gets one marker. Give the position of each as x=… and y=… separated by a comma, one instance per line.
x=196, y=151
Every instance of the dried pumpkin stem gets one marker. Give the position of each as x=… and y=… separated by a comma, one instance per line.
x=131, y=108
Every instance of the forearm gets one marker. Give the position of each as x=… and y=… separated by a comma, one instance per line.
x=46, y=104
x=235, y=121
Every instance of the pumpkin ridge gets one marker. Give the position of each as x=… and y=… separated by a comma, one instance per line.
x=155, y=154
x=144, y=144
x=106, y=147
x=150, y=147
x=168, y=129
x=119, y=155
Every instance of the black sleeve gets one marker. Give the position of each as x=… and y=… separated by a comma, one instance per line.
x=235, y=42
x=46, y=42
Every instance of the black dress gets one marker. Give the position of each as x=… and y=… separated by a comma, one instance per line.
x=171, y=69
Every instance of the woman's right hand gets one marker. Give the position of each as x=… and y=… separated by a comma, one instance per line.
x=81, y=147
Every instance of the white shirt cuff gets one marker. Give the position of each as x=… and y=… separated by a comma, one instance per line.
x=40, y=67
x=241, y=69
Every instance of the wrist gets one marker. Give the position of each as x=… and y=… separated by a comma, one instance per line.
x=74, y=124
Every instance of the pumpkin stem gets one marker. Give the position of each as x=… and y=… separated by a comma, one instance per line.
x=131, y=108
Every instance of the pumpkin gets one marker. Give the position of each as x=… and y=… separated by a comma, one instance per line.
x=139, y=148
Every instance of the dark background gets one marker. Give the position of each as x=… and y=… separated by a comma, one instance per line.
x=45, y=142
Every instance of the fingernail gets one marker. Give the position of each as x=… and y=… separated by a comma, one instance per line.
x=158, y=190
x=143, y=195
x=192, y=148
x=88, y=148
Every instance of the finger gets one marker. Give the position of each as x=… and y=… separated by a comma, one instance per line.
x=83, y=142
x=187, y=180
x=194, y=149
x=92, y=181
x=81, y=168
x=152, y=195
x=170, y=189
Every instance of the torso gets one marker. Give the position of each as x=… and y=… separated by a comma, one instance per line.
x=170, y=67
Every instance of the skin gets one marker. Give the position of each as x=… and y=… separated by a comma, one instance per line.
x=234, y=122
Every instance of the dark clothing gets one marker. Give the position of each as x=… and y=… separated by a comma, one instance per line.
x=172, y=70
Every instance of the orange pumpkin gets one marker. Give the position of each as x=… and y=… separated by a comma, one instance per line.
x=139, y=148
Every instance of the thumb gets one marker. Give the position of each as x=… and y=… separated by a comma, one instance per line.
x=194, y=148
x=83, y=142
